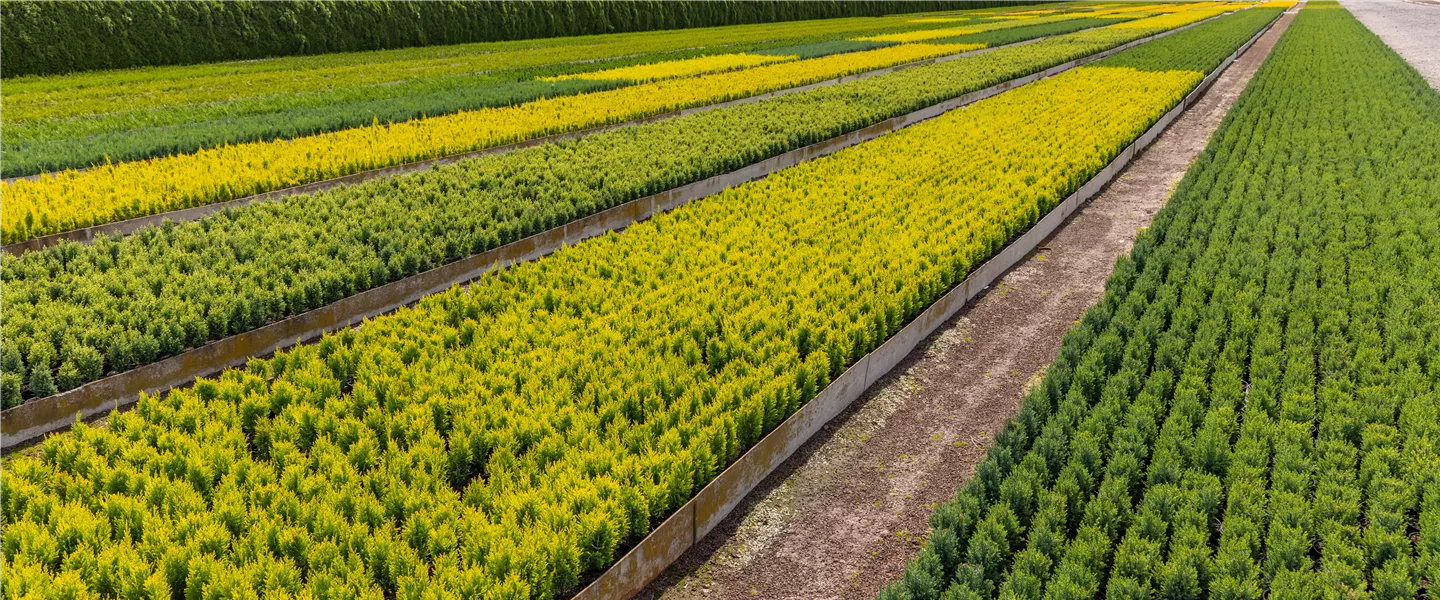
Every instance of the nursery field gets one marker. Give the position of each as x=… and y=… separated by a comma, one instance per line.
x=511, y=438
x=1251, y=409
x=226, y=159
x=118, y=303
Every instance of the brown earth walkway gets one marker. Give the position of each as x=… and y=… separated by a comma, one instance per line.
x=842, y=516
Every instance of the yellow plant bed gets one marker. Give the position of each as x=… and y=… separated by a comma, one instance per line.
x=1013, y=21
x=72, y=200
x=503, y=442
x=1161, y=9
x=944, y=19
x=101, y=92
x=1178, y=19
x=679, y=68
x=920, y=36
x=948, y=32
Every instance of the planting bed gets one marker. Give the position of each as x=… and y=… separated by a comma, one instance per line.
x=145, y=297
x=443, y=447
x=1251, y=408
x=842, y=516
x=69, y=200
x=570, y=322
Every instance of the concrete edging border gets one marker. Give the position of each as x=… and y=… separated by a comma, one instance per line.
x=698, y=517
x=35, y=418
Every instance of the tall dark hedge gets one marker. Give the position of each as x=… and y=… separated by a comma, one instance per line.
x=49, y=37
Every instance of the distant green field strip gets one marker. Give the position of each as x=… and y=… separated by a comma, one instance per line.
x=99, y=93
x=1017, y=34
x=50, y=145
x=825, y=48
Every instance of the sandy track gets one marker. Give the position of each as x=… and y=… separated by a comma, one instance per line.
x=841, y=517
x=1411, y=27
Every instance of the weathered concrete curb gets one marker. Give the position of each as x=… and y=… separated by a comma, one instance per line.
x=39, y=416
x=711, y=505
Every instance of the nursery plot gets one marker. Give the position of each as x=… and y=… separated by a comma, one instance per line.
x=70, y=200
x=82, y=120
x=678, y=68
x=1015, y=34
x=826, y=523
x=1253, y=408
x=505, y=440
x=73, y=200
x=78, y=312
x=77, y=121
x=1031, y=20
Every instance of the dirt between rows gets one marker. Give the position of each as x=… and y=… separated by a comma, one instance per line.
x=841, y=517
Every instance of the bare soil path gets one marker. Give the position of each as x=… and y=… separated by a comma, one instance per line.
x=841, y=517
x=1411, y=27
